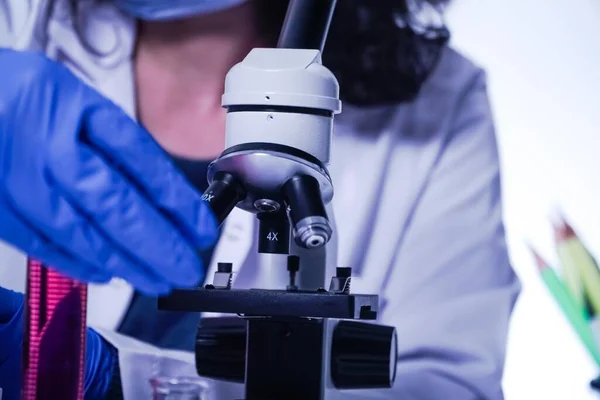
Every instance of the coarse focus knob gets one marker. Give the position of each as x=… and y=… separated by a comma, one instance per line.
x=363, y=356
x=221, y=348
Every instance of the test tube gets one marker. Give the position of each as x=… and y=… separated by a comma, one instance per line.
x=54, y=340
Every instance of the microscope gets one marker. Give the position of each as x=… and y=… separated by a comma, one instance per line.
x=304, y=339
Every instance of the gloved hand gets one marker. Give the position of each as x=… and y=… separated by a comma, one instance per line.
x=87, y=190
x=100, y=359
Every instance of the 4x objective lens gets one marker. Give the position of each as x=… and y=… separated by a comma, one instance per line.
x=303, y=198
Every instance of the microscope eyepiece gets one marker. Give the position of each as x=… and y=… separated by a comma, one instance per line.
x=307, y=211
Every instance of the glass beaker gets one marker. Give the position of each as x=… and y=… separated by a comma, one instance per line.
x=179, y=388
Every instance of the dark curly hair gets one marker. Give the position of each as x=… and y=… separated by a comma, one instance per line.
x=381, y=51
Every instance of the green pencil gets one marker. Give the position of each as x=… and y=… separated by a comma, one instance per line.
x=571, y=310
x=573, y=255
x=571, y=273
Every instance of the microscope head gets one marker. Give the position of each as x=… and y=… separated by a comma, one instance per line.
x=280, y=106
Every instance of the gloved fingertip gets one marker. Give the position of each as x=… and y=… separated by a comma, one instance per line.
x=207, y=228
x=11, y=331
x=90, y=332
x=100, y=278
x=191, y=283
x=206, y=237
x=190, y=271
x=206, y=242
x=156, y=290
x=10, y=304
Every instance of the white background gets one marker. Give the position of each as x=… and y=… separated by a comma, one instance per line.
x=543, y=64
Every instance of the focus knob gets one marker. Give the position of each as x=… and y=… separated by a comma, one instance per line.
x=363, y=356
x=221, y=349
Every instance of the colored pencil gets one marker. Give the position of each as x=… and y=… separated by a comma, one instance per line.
x=569, y=307
x=574, y=256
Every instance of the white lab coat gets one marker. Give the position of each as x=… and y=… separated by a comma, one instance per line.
x=417, y=203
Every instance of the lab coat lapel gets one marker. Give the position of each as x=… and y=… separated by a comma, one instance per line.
x=358, y=166
x=378, y=179
x=100, y=54
x=235, y=242
x=237, y=238
x=33, y=21
x=398, y=196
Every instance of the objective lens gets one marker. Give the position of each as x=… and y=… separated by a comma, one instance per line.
x=307, y=211
x=274, y=233
x=223, y=194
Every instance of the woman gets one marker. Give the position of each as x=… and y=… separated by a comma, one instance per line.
x=416, y=169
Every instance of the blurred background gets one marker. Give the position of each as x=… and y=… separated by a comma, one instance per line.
x=543, y=64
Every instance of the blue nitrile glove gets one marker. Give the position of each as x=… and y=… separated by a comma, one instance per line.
x=86, y=189
x=11, y=336
x=99, y=362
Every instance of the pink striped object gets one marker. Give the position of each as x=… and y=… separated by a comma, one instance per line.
x=54, y=340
